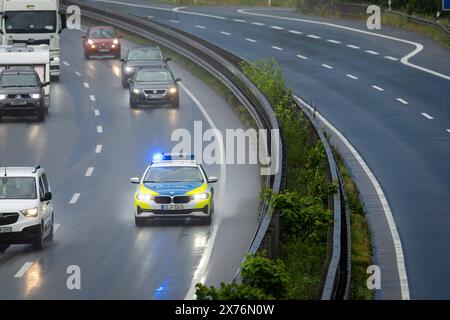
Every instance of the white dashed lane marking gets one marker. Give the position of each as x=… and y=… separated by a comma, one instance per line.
x=75, y=198
x=277, y=48
x=313, y=36
x=251, y=40
x=352, y=76
x=86, y=85
x=90, y=171
x=174, y=21
x=24, y=269
x=97, y=113
x=402, y=101
x=372, y=52
x=326, y=66
x=77, y=73
x=377, y=88
x=92, y=97
x=295, y=32
x=225, y=33
x=200, y=27
x=98, y=148
x=258, y=23
x=239, y=20
x=66, y=63
x=352, y=46
x=276, y=28
x=334, y=41
x=426, y=115
x=302, y=57
x=99, y=129
x=391, y=58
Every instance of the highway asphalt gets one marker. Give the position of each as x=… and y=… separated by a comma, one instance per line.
x=397, y=117
x=91, y=144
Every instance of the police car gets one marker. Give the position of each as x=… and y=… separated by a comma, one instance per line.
x=174, y=186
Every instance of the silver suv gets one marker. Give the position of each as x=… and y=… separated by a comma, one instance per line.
x=26, y=207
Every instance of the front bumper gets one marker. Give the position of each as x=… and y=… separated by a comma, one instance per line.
x=193, y=209
x=160, y=99
x=103, y=50
x=26, y=236
x=26, y=105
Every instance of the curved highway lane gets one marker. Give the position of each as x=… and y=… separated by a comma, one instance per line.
x=397, y=117
x=90, y=145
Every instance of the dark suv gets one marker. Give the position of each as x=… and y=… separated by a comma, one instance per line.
x=140, y=57
x=22, y=90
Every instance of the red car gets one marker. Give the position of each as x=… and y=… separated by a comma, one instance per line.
x=101, y=41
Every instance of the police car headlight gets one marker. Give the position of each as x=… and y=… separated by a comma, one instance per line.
x=144, y=197
x=30, y=213
x=136, y=91
x=200, y=196
x=35, y=95
x=129, y=69
x=2, y=96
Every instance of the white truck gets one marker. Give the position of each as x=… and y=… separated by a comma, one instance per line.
x=37, y=57
x=33, y=22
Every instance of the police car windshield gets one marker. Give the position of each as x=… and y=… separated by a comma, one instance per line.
x=17, y=188
x=173, y=174
x=144, y=55
x=153, y=76
x=18, y=80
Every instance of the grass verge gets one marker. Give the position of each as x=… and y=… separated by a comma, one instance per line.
x=275, y=3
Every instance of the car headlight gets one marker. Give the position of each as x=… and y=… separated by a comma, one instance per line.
x=129, y=69
x=35, y=95
x=30, y=213
x=90, y=42
x=144, y=197
x=55, y=59
x=136, y=91
x=173, y=90
x=2, y=96
x=116, y=41
x=200, y=196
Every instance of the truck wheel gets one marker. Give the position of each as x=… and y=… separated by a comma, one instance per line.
x=41, y=114
x=3, y=248
x=38, y=243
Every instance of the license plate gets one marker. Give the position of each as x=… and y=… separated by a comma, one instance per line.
x=5, y=229
x=103, y=50
x=172, y=207
x=18, y=102
x=153, y=96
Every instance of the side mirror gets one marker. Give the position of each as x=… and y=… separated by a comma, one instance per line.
x=177, y=80
x=123, y=60
x=63, y=22
x=135, y=180
x=44, y=84
x=47, y=197
x=212, y=179
x=130, y=81
x=168, y=59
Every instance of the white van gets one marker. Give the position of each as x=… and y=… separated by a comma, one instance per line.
x=26, y=207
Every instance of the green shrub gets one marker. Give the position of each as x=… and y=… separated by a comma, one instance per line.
x=265, y=274
x=231, y=291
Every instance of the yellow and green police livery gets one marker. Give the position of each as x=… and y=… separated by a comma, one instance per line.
x=174, y=186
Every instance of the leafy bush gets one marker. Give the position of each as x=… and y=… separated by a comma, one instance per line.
x=302, y=218
x=231, y=291
x=268, y=275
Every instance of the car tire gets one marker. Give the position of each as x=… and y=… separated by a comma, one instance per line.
x=125, y=83
x=41, y=115
x=51, y=235
x=86, y=55
x=138, y=221
x=3, y=248
x=176, y=105
x=133, y=105
x=38, y=243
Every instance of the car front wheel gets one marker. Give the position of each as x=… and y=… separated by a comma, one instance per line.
x=3, y=248
x=41, y=114
x=38, y=243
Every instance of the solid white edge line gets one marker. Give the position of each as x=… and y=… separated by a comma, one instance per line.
x=426, y=115
x=201, y=272
x=404, y=60
x=400, y=258
x=24, y=269
x=89, y=171
x=75, y=198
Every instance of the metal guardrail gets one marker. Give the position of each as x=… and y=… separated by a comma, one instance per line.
x=339, y=269
x=225, y=66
